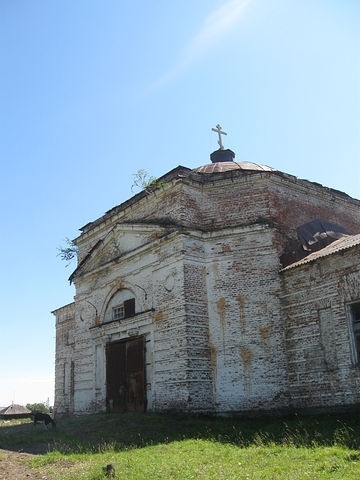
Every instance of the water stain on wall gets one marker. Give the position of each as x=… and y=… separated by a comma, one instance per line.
x=266, y=338
x=118, y=283
x=221, y=306
x=159, y=316
x=241, y=302
x=246, y=357
x=213, y=363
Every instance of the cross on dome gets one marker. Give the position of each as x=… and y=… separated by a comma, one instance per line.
x=218, y=130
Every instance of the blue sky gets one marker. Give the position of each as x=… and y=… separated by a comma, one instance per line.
x=92, y=91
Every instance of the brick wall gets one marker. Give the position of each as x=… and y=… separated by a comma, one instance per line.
x=65, y=331
x=224, y=332
x=318, y=333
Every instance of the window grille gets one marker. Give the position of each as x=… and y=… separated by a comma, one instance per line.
x=118, y=312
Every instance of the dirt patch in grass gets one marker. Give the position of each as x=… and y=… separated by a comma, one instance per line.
x=15, y=466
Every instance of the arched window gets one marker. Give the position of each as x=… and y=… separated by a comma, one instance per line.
x=120, y=306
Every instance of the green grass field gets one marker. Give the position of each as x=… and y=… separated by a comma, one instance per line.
x=154, y=446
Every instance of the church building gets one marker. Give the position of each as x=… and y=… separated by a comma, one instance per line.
x=231, y=288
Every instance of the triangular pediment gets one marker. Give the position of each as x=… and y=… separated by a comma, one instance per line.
x=122, y=239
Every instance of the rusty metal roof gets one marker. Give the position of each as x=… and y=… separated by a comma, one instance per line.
x=219, y=167
x=341, y=244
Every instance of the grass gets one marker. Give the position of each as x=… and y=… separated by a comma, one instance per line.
x=173, y=447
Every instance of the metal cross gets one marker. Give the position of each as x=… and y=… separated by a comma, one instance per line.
x=219, y=132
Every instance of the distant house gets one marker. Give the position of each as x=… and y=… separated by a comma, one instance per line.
x=14, y=411
x=228, y=288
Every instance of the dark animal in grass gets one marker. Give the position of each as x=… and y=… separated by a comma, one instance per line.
x=45, y=418
x=109, y=471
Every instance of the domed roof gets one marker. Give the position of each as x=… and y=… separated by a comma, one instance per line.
x=217, y=167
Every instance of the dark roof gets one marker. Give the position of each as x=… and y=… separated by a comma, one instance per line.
x=318, y=234
x=339, y=245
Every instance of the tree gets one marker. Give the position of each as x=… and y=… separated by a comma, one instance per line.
x=143, y=180
x=69, y=252
x=37, y=407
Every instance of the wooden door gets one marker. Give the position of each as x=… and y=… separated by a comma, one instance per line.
x=125, y=375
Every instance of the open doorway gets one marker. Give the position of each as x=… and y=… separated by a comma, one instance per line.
x=125, y=375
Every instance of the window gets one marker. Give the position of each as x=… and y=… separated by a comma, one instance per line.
x=118, y=312
x=125, y=310
x=355, y=320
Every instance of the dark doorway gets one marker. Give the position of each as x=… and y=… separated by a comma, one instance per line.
x=125, y=375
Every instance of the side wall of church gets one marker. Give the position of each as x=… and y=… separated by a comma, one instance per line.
x=246, y=330
x=323, y=369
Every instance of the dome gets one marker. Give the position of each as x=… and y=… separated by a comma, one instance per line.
x=219, y=167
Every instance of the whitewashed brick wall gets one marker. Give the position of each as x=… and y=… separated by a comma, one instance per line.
x=224, y=330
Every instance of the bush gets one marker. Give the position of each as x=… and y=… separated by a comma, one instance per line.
x=37, y=407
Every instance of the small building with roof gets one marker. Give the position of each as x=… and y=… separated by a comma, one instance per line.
x=14, y=411
x=231, y=288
